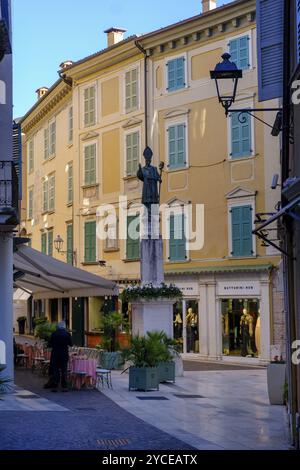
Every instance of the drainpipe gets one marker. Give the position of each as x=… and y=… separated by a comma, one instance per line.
x=143, y=51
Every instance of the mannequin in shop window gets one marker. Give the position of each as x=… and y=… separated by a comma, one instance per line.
x=246, y=332
x=191, y=330
x=177, y=325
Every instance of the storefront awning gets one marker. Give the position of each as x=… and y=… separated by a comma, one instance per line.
x=45, y=277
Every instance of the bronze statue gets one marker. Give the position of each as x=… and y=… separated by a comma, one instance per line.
x=150, y=177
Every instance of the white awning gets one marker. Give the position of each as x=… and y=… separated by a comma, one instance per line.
x=45, y=277
x=20, y=294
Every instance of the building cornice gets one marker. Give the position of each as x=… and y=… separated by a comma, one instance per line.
x=45, y=105
x=200, y=28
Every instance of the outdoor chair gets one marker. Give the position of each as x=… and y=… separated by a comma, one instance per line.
x=103, y=376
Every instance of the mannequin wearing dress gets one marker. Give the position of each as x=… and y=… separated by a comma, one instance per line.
x=246, y=331
x=191, y=329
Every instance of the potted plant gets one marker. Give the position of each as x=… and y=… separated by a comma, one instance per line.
x=276, y=379
x=166, y=366
x=21, y=323
x=111, y=358
x=145, y=354
x=44, y=331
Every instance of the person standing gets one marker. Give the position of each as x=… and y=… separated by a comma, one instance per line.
x=59, y=342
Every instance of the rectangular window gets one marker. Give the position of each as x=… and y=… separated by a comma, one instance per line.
x=30, y=203
x=176, y=74
x=50, y=243
x=240, y=135
x=90, y=106
x=70, y=244
x=30, y=156
x=90, y=242
x=44, y=243
x=46, y=143
x=131, y=90
x=70, y=183
x=70, y=136
x=52, y=139
x=90, y=165
x=51, y=197
x=132, y=153
x=241, y=231
x=45, y=195
x=133, y=240
x=239, y=51
x=177, y=146
x=177, y=243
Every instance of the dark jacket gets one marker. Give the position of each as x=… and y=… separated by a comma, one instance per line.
x=59, y=342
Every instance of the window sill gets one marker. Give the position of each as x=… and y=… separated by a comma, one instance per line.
x=173, y=170
x=88, y=186
x=69, y=204
x=254, y=256
x=171, y=261
x=134, y=260
x=178, y=90
x=242, y=158
x=89, y=263
x=70, y=144
x=130, y=177
x=132, y=110
x=110, y=250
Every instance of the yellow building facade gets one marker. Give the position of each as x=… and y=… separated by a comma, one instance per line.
x=85, y=137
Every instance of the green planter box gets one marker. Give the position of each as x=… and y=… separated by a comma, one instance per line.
x=143, y=378
x=166, y=371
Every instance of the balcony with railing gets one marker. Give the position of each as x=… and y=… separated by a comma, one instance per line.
x=9, y=198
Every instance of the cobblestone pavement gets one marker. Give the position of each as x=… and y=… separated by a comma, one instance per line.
x=88, y=420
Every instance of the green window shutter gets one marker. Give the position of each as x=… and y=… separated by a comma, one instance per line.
x=177, y=242
x=239, y=51
x=132, y=153
x=89, y=106
x=70, y=183
x=132, y=245
x=44, y=243
x=46, y=143
x=52, y=144
x=50, y=243
x=70, y=136
x=176, y=74
x=177, y=146
x=240, y=135
x=131, y=90
x=90, y=242
x=241, y=226
x=30, y=156
x=51, y=203
x=90, y=164
x=70, y=244
x=30, y=203
x=45, y=196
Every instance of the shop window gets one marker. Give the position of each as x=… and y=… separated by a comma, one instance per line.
x=241, y=327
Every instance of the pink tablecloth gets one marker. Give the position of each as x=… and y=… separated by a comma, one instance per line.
x=88, y=366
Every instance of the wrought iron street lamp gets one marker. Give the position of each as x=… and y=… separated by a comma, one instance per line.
x=58, y=244
x=225, y=71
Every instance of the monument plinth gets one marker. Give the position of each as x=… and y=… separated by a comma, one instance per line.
x=151, y=314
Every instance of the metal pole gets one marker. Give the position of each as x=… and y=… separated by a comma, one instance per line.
x=6, y=300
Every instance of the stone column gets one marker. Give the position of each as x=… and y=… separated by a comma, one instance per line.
x=265, y=314
x=6, y=302
x=152, y=315
x=213, y=327
x=203, y=321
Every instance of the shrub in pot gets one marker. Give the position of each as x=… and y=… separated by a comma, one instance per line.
x=44, y=331
x=145, y=354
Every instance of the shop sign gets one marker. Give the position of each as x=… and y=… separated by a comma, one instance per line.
x=188, y=288
x=239, y=288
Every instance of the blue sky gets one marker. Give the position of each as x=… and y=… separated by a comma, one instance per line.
x=47, y=32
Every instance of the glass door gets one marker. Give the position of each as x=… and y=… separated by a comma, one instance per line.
x=192, y=326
